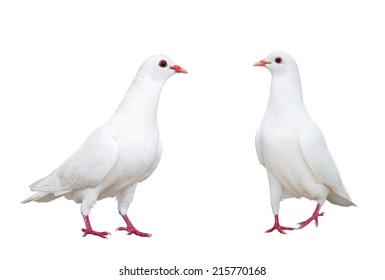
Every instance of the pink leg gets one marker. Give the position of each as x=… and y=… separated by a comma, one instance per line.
x=89, y=230
x=131, y=229
x=314, y=217
x=278, y=227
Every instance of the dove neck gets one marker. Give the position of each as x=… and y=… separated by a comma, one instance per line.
x=142, y=98
x=285, y=94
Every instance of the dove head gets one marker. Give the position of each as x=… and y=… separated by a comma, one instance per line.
x=160, y=67
x=278, y=62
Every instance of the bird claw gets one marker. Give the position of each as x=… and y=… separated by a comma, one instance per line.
x=134, y=231
x=279, y=228
x=102, y=234
x=131, y=229
x=308, y=221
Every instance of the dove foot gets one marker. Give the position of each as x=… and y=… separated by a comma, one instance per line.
x=278, y=227
x=134, y=231
x=131, y=229
x=314, y=217
x=89, y=230
x=102, y=234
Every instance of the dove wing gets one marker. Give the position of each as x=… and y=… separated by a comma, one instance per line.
x=318, y=158
x=86, y=168
x=258, y=146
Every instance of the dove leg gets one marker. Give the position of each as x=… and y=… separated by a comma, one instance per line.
x=314, y=217
x=89, y=199
x=275, y=199
x=89, y=230
x=275, y=193
x=124, y=201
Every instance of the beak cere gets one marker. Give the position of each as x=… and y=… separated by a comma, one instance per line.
x=178, y=69
x=262, y=63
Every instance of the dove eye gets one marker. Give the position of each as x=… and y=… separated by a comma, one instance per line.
x=162, y=63
x=278, y=60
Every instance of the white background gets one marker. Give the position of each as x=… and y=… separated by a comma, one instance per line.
x=65, y=66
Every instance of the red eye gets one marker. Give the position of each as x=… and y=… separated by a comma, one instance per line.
x=278, y=60
x=162, y=63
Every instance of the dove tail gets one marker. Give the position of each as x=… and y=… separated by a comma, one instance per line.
x=48, y=184
x=340, y=200
x=42, y=197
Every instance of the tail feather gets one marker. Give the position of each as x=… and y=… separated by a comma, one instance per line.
x=340, y=200
x=338, y=195
x=43, y=197
x=47, y=189
x=51, y=183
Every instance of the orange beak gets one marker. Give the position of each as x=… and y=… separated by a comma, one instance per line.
x=262, y=63
x=178, y=69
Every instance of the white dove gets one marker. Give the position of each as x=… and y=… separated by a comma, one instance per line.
x=119, y=154
x=291, y=146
